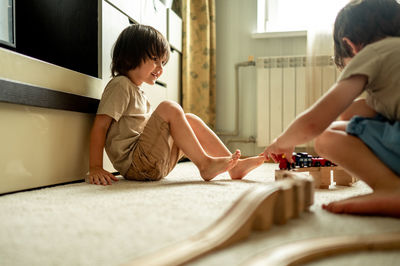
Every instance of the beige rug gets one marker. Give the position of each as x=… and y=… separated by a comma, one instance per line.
x=82, y=224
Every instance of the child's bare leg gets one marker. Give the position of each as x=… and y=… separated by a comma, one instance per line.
x=353, y=155
x=187, y=141
x=215, y=147
x=358, y=107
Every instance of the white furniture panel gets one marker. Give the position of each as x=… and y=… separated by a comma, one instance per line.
x=155, y=15
x=155, y=93
x=172, y=77
x=113, y=22
x=25, y=69
x=132, y=8
x=174, y=33
x=42, y=146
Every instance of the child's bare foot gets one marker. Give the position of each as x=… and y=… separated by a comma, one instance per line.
x=382, y=203
x=244, y=166
x=218, y=165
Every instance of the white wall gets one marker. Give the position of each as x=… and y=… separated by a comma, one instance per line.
x=236, y=20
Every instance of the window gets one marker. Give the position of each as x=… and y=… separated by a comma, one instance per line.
x=295, y=15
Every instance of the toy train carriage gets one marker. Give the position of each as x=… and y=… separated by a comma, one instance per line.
x=301, y=160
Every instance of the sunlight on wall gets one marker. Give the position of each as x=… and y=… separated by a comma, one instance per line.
x=293, y=15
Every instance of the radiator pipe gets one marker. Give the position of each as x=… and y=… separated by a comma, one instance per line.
x=235, y=133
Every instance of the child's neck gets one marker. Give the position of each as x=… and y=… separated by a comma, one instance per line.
x=132, y=77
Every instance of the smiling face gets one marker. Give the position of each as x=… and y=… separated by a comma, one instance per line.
x=148, y=71
x=137, y=51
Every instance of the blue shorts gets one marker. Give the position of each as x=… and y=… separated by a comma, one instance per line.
x=381, y=136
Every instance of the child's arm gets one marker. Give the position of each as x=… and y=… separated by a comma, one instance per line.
x=317, y=118
x=97, y=175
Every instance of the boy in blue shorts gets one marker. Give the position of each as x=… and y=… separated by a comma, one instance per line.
x=367, y=48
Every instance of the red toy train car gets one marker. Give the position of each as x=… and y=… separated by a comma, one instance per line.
x=303, y=159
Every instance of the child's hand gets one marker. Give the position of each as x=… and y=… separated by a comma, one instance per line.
x=275, y=150
x=99, y=176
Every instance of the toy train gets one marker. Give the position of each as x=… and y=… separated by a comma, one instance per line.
x=303, y=159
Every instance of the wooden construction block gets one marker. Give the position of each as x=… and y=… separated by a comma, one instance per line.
x=303, y=195
x=322, y=176
x=256, y=209
x=285, y=203
x=325, y=178
x=308, y=194
x=301, y=252
x=342, y=178
x=298, y=192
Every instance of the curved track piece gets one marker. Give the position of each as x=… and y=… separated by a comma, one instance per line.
x=311, y=249
x=255, y=209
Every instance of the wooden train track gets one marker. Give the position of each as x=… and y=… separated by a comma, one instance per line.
x=322, y=175
x=304, y=251
x=256, y=209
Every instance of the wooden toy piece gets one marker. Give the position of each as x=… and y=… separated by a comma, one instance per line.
x=304, y=251
x=325, y=177
x=321, y=175
x=299, y=198
x=255, y=209
x=319, y=168
x=342, y=178
x=233, y=226
x=303, y=196
x=285, y=203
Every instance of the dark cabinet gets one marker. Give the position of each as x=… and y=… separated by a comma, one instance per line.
x=61, y=32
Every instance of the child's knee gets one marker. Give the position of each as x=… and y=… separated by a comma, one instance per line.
x=192, y=117
x=323, y=142
x=170, y=108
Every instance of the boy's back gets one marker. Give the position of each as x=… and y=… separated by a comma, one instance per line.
x=380, y=62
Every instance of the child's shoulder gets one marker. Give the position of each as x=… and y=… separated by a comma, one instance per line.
x=121, y=80
x=388, y=43
x=121, y=83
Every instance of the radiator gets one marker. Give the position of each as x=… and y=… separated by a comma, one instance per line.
x=285, y=87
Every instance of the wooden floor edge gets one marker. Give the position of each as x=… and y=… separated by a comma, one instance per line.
x=304, y=251
x=254, y=209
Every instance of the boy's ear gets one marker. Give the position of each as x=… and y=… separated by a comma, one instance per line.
x=355, y=48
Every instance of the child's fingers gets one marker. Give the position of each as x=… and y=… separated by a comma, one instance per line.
x=267, y=156
x=113, y=177
x=103, y=180
x=95, y=180
x=273, y=157
x=108, y=180
x=289, y=157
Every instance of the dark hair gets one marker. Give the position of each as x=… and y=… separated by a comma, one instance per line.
x=364, y=22
x=134, y=45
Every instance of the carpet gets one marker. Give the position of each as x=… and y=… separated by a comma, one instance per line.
x=82, y=224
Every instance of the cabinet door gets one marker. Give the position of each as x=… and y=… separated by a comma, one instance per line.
x=155, y=15
x=113, y=24
x=155, y=93
x=172, y=77
x=131, y=8
x=174, y=30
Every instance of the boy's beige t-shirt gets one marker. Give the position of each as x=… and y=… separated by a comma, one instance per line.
x=128, y=106
x=380, y=62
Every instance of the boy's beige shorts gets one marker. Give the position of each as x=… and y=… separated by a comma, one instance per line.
x=155, y=154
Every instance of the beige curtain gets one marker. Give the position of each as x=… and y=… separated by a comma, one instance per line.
x=199, y=59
